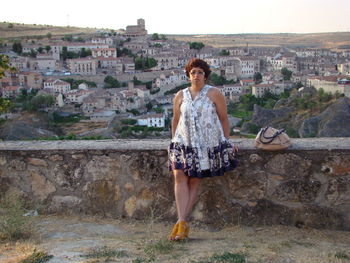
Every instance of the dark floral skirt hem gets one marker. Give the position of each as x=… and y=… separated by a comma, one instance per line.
x=222, y=159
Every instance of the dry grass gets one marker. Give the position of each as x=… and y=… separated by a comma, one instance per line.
x=144, y=243
x=16, y=252
x=320, y=40
x=21, y=30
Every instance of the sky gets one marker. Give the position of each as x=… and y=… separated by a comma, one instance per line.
x=187, y=16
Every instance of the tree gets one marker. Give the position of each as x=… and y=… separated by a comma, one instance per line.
x=32, y=53
x=68, y=38
x=124, y=52
x=257, y=77
x=17, y=47
x=111, y=82
x=65, y=54
x=155, y=36
x=40, y=102
x=149, y=106
x=85, y=53
x=216, y=80
x=5, y=105
x=49, y=35
x=248, y=101
x=158, y=45
x=224, y=52
x=145, y=63
x=287, y=74
x=196, y=45
x=40, y=50
x=47, y=48
x=5, y=65
x=163, y=37
x=136, y=81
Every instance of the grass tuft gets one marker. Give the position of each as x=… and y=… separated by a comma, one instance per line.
x=341, y=255
x=105, y=252
x=226, y=257
x=13, y=224
x=37, y=257
x=162, y=246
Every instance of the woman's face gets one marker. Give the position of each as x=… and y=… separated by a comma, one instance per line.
x=197, y=76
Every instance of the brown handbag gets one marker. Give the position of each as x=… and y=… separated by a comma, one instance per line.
x=271, y=139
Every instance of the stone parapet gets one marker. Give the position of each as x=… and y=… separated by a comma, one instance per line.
x=305, y=185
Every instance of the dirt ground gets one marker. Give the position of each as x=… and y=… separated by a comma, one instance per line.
x=92, y=240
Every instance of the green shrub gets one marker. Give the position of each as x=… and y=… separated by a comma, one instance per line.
x=129, y=121
x=253, y=128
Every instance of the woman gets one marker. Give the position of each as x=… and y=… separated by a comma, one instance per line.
x=199, y=146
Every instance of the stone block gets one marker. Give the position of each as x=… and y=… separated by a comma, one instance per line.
x=297, y=191
x=37, y=162
x=56, y=158
x=68, y=176
x=41, y=186
x=129, y=187
x=102, y=168
x=130, y=206
x=60, y=204
x=288, y=165
x=3, y=160
x=336, y=165
x=102, y=197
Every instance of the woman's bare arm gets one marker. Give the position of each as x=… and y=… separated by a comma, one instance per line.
x=176, y=112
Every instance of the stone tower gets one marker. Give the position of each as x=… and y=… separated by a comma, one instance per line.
x=141, y=23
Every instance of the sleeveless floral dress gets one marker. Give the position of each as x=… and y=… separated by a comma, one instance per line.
x=199, y=146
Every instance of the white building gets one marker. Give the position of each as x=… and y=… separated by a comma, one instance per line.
x=166, y=61
x=168, y=81
x=57, y=86
x=104, y=52
x=43, y=64
x=152, y=120
x=248, y=67
x=77, y=96
x=82, y=66
x=260, y=89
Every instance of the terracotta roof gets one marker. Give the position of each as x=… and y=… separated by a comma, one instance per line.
x=12, y=88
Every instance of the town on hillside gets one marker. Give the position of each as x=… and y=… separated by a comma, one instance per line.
x=129, y=77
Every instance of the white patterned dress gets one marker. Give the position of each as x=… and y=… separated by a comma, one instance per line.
x=199, y=146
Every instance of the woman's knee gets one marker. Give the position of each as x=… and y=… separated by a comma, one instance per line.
x=180, y=177
x=194, y=182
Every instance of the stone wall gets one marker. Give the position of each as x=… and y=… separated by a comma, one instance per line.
x=126, y=77
x=306, y=185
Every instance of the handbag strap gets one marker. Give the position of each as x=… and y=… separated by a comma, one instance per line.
x=269, y=138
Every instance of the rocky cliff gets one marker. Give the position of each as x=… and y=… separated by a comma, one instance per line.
x=329, y=119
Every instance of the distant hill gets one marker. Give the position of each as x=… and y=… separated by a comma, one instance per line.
x=332, y=40
x=17, y=30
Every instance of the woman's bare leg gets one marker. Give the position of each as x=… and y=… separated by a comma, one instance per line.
x=193, y=184
x=182, y=194
x=186, y=191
